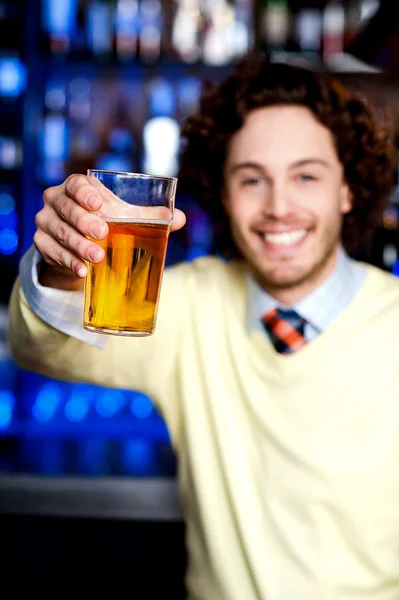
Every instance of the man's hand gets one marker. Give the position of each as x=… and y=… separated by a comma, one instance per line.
x=63, y=224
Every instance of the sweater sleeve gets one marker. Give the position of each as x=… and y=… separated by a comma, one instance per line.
x=145, y=364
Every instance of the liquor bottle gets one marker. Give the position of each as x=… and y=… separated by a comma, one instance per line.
x=333, y=29
x=243, y=36
x=100, y=29
x=276, y=25
x=308, y=30
x=54, y=139
x=59, y=21
x=161, y=132
x=218, y=41
x=127, y=25
x=186, y=28
x=151, y=26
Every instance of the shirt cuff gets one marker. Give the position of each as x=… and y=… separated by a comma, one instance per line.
x=62, y=309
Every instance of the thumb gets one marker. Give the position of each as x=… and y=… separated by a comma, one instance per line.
x=179, y=220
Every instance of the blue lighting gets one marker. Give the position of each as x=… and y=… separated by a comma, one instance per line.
x=127, y=19
x=109, y=403
x=55, y=96
x=59, y=16
x=55, y=140
x=162, y=98
x=121, y=140
x=395, y=269
x=7, y=403
x=80, y=87
x=114, y=162
x=195, y=252
x=12, y=77
x=99, y=27
x=9, y=221
x=137, y=454
x=8, y=241
x=77, y=408
x=47, y=402
x=189, y=93
x=7, y=204
x=141, y=406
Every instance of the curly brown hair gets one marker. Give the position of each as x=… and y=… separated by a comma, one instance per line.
x=364, y=144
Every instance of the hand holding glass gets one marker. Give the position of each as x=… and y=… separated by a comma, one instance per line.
x=122, y=292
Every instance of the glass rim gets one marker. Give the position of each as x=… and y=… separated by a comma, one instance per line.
x=133, y=175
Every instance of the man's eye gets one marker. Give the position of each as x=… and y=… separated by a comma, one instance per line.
x=306, y=177
x=254, y=181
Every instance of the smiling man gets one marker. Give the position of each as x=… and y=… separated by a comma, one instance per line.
x=277, y=371
x=289, y=237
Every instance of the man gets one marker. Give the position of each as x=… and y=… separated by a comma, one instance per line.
x=278, y=372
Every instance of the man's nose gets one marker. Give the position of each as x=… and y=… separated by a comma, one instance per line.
x=277, y=201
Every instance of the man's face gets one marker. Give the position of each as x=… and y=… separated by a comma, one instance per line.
x=285, y=196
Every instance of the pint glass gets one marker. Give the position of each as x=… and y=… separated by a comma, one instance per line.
x=122, y=292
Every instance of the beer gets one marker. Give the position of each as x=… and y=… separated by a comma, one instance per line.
x=121, y=292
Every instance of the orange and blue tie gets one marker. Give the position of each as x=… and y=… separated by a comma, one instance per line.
x=286, y=330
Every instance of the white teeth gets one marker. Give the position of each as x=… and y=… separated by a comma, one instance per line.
x=287, y=238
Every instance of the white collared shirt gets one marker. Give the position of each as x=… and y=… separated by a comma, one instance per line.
x=321, y=307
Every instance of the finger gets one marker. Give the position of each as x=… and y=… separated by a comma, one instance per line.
x=79, y=189
x=179, y=220
x=80, y=219
x=71, y=239
x=55, y=254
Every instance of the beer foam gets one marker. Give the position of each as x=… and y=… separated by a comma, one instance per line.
x=138, y=221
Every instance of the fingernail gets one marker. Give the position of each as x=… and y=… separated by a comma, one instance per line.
x=82, y=272
x=94, y=254
x=97, y=230
x=92, y=200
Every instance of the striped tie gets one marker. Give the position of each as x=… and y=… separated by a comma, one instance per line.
x=286, y=330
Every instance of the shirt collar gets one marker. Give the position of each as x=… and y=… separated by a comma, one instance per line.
x=321, y=306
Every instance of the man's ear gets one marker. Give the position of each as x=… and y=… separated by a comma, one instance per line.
x=346, y=199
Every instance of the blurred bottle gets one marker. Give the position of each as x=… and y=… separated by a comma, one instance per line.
x=59, y=21
x=186, y=28
x=276, y=24
x=10, y=152
x=151, y=27
x=308, y=30
x=84, y=140
x=243, y=35
x=54, y=135
x=161, y=132
x=218, y=41
x=333, y=29
x=127, y=25
x=100, y=29
x=353, y=21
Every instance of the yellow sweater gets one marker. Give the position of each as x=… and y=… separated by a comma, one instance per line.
x=288, y=465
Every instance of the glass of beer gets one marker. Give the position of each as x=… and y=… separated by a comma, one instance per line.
x=122, y=292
